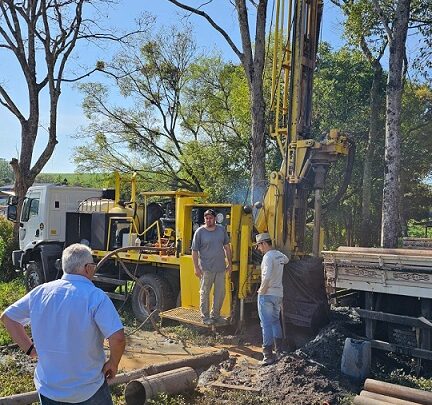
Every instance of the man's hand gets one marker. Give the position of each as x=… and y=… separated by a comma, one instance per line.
x=117, y=343
x=198, y=272
x=229, y=268
x=109, y=370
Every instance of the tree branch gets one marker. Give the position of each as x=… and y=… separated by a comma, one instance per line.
x=384, y=20
x=212, y=23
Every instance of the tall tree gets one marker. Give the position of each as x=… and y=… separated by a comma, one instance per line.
x=362, y=30
x=41, y=35
x=396, y=27
x=252, y=56
x=182, y=122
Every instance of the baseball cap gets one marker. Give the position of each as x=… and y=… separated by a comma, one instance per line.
x=262, y=237
x=210, y=212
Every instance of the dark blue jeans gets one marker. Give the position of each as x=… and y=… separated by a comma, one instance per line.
x=101, y=397
x=269, y=307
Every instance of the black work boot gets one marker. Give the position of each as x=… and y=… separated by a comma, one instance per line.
x=268, y=357
x=280, y=348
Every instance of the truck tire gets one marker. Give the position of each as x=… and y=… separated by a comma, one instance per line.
x=34, y=276
x=160, y=296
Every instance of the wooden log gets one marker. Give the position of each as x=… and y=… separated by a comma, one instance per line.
x=381, y=251
x=359, y=400
x=385, y=398
x=196, y=362
x=398, y=391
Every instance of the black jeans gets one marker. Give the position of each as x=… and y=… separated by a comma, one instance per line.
x=101, y=397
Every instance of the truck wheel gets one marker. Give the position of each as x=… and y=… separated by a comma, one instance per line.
x=34, y=276
x=159, y=296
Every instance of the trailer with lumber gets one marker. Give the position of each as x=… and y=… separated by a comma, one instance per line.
x=395, y=288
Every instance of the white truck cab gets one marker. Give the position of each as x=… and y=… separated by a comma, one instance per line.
x=42, y=228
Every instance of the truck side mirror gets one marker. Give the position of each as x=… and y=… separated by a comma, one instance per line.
x=12, y=213
x=13, y=200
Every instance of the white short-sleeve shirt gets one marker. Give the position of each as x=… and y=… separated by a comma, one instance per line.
x=69, y=318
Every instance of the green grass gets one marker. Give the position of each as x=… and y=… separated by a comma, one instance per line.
x=15, y=377
x=192, y=335
x=9, y=293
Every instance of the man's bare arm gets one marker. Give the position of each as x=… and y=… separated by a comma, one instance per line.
x=197, y=268
x=18, y=334
x=228, y=256
x=117, y=344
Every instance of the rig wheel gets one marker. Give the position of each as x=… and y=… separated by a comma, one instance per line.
x=150, y=293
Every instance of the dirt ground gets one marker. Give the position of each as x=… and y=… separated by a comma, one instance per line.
x=308, y=375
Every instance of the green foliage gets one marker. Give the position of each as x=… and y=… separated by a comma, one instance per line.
x=184, y=121
x=416, y=127
x=417, y=231
x=15, y=377
x=6, y=173
x=341, y=100
x=9, y=293
x=7, y=245
x=165, y=399
x=93, y=180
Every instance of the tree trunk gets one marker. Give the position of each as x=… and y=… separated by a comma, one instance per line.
x=258, y=175
x=375, y=106
x=391, y=192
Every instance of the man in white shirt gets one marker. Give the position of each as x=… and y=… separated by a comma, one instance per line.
x=270, y=295
x=69, y=318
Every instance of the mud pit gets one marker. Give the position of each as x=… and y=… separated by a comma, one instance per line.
x=309, y=375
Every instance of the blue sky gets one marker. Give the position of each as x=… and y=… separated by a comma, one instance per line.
x=70, y=116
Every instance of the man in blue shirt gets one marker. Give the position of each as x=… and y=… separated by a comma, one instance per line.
x=69, y=318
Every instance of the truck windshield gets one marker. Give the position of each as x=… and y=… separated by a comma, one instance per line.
x=30, y=208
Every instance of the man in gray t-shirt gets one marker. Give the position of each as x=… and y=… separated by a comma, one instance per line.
x=210, y=246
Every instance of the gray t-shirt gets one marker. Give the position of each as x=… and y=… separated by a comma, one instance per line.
x=209, y=245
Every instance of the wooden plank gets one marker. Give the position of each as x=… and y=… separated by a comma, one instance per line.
x=380, y=251
x=369, y=323
x=408, y=351
x=235, y=387
x=425, y=334
x=109, y=280
x=115, y=296
x=419, y=322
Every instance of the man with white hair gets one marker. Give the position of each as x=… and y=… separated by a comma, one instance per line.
x=69, y=319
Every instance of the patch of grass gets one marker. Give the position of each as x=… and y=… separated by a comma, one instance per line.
x=117, y=393
x=193, y=335
x=346, y=400
x=400, y=377
x=15, y=378
x=210, y=398
x=9, y=293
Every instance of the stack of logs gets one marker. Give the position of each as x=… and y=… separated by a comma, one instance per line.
x=381, y=393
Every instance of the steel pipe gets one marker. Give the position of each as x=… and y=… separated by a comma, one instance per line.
x=196, y=362
x=138, y=392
